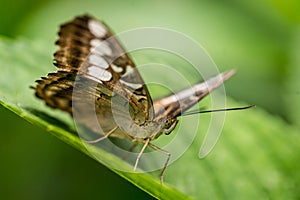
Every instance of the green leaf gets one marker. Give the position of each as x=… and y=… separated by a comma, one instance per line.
x=256, y=157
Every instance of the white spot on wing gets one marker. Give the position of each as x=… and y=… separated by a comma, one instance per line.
x=99, y=73
x=134, y=86
x=98, y=61
x=100, y=47
x=96, y=42
x=97, y=28
x=117, y=68
x=129, y=70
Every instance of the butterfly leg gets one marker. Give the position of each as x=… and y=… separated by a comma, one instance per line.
x=166, y=163
x=101, y=138
x=147, y=141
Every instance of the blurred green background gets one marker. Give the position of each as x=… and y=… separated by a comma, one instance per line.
x=260, y=38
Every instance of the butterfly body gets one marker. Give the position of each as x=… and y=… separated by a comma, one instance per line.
x=95, y=75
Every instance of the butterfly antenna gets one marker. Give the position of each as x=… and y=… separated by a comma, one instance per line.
x=217, y=110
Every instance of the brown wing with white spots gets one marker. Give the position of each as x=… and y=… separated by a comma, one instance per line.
x=87, y=48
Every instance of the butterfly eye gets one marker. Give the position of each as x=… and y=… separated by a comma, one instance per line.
x=170, y=125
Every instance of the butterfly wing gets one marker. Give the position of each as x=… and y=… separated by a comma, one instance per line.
x=88, y=50
x=174, y=105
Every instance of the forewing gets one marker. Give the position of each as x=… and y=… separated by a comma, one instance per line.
x=87, y=48
x=174, y=105
x=87, y=45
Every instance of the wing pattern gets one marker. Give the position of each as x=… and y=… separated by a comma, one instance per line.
x=87, y=49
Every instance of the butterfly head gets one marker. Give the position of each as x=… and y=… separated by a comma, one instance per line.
x=160, y=126
x=169, y=126
x=166, y=122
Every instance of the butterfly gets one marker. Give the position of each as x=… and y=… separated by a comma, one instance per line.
x=108, y=80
